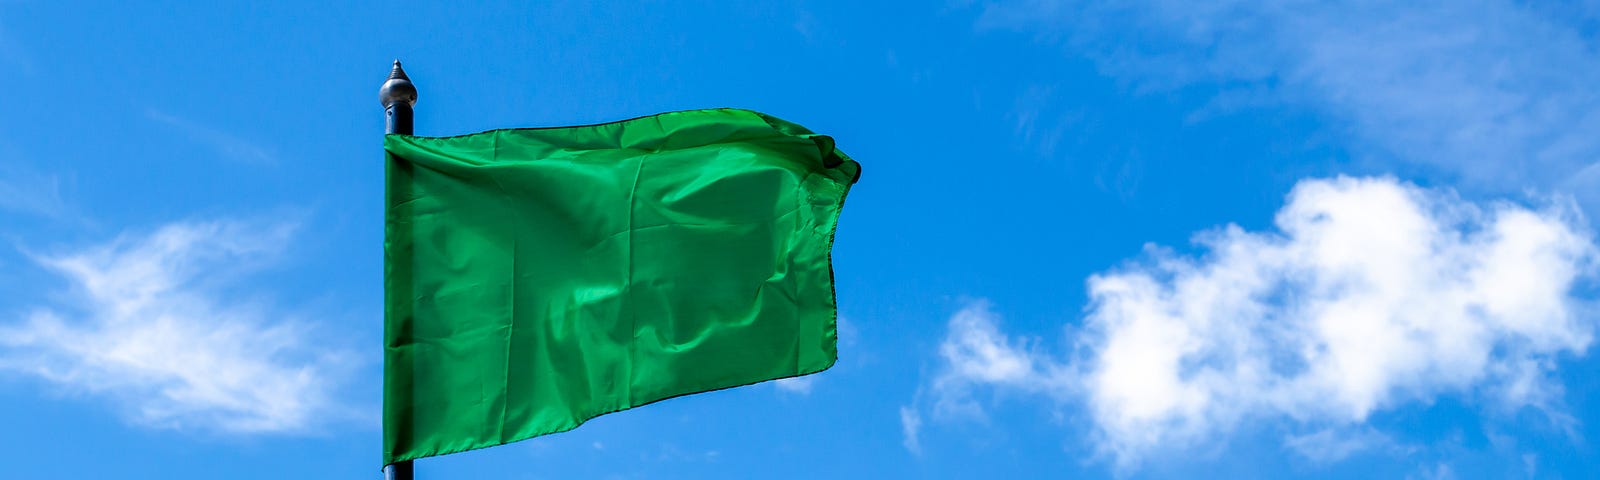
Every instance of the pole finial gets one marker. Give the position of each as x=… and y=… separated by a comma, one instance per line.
x=397, y=88
x=397, y=72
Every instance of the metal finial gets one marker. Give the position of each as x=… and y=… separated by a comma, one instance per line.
x=397, y=89
x=398, y=72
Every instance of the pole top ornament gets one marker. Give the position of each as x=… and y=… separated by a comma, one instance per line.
x=397, y=89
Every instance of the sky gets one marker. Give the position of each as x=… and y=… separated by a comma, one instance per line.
x=1092, y=239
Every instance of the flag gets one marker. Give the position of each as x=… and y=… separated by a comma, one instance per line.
x=537, y=278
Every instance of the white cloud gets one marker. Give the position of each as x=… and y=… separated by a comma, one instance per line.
x=25, y=191
x=1439, y=471
x=1498, y=92
x=911, y=429
x=977, y=354
x=1372, y=294
x=800, y=385
x=151, y=328
x=1332, y=445
x=229, y=145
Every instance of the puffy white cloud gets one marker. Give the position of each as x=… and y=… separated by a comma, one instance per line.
x=1372, y=294
x=976, y=353
x=150, y=327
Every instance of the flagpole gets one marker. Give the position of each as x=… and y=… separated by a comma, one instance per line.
x=398, y=95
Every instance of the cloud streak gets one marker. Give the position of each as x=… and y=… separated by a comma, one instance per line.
x=153, y=328
x=228, y=145
x=1370, y=295
x=26, y=192
x=798, y=385
x=1495, y=92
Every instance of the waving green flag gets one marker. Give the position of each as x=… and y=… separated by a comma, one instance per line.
x=537, y=278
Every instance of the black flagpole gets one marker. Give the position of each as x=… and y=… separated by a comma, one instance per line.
x=397, y=96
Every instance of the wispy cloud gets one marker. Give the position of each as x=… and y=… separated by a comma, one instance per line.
x=911, y=429
x=1372, y=294
x=976, y=353
x=1335, y=444
x=800, y=385
x=154, y=327
x=1438, y=471
x=32, y=193
x=1032, y=122
x=976, y=356
x=1496, y=92
x=228, y=145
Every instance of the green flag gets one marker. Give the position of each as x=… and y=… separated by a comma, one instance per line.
x=537, y=278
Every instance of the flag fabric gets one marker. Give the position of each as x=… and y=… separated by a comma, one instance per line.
x=537, y=278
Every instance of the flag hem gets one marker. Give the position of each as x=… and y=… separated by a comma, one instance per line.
x=580, y=423
x=779, y=124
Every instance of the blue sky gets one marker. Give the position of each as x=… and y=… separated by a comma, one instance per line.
x=1140, y=239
